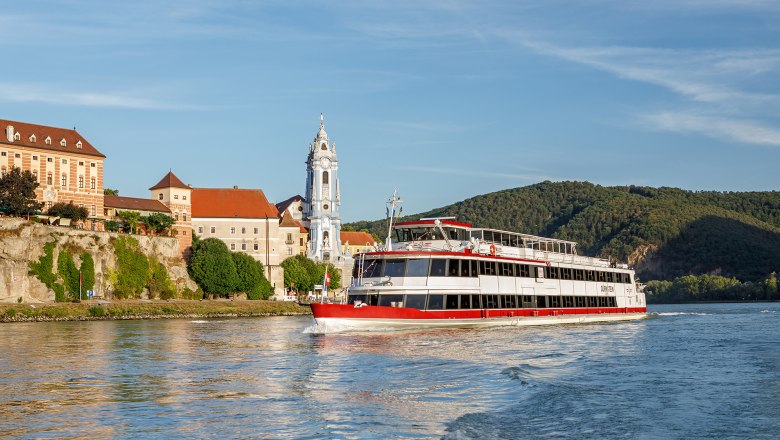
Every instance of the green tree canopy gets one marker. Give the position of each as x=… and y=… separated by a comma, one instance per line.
x=251, y=278
x=302, y=274
x=110, y=192
x=17, y=193
x=212, y=267
x=68, y=210
x=131, y=220
x=158, y=222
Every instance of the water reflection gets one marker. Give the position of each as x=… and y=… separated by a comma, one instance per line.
x=266, y=378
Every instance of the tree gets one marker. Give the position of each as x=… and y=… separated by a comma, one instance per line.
x=17, y=193
x=68, y=210
x=158, y=222
x=299, y=273
x=212, y=267
x=110, y=192
x=130, y=219
x=112, y=225
x=250, y=277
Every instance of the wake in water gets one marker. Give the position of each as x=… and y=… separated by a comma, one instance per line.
x=679, y=313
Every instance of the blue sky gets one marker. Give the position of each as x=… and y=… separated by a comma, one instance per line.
x=442, y=100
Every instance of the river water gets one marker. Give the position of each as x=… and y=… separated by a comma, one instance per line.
x=688, y=371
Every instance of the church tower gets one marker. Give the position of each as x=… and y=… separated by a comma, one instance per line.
x=323, y=199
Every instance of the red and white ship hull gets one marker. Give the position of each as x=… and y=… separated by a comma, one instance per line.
x=348, y=317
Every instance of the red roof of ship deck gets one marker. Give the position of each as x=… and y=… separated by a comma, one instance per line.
x=430, y=222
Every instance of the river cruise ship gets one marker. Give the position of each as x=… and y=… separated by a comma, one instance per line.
x=443, y=273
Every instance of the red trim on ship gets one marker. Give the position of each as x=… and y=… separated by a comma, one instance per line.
x=384, y=312
x=457, y=254
x=432, y=222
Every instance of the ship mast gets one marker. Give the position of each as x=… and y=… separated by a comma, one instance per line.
x=392, y=203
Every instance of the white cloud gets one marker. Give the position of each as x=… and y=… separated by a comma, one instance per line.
x=50, y=95
x=716, y=127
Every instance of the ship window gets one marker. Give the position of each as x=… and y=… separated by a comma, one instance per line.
x=417, y=267
x=600, y=276
x=551, y=272
x=452, y=302
x=591, y=275
x=554, y=301
x=527, y=301
x=568, y=301
x=372, y=268
x=523, y=271
x=388, y=300
x=507, y=302
x=506, y=269
x=487, y=267
x=579, y=274
x=465, y=301
x=435, y=302
x=541, y=302
x=475, y=301
x=488, y=236
x=438, y=267
x=580, y=301
x=394, y=268
x=506, y=239
x=602, y=301
x=565, y=273
x=476, y=234
x=464, y=268
x=474, y=268
x=415, y=301
x=453, y=268
x=610, y=277
x=591, y=300
x=628, y=278
x=611, y=302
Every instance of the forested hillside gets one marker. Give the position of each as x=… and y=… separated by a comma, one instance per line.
x=663, y=232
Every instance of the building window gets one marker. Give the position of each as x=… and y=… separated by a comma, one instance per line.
x=32, y=138
x=92, y=183
x=49, y=159
x=35, y=158
x=78, y=145
x=64, y=161
x=48, y=140
x=49, y=205
x=289, y=251
x=81, y=181
x=35, y=174
x=200, y=229
x=92, y=164
x=184, y=197
x=243, y=230
x=3, y=154
x=257, y=247
x=176, y=217
x=17, y=155
x=184, y=217
x=160, y=196
x=232, y=229
x=93, y=210
x=81, y=164
x=256, y=231
x=325, y=207
x=243, y=246
x=325, y=178
x=213, y=229
x=175, y=197
x=64, y=181
x=183, y=232
x=232, y=246
x=17, y=137
x=63, y=143
x=4, y=170
x=49, y=179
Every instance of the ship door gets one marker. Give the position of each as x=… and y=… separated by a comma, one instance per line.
x=539, y=274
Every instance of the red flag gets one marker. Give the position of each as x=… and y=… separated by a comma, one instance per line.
x=327, y=279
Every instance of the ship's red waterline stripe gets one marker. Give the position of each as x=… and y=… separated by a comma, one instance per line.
x=384, y=312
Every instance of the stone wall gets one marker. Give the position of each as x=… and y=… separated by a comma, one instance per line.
x=22, y=241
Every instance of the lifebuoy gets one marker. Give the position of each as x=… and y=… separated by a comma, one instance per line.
x=492, y=249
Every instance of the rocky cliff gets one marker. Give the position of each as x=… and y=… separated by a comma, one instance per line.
x=22, y=241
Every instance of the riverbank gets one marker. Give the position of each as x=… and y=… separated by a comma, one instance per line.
x=104, y=310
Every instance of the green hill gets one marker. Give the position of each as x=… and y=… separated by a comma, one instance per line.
x=663, y=232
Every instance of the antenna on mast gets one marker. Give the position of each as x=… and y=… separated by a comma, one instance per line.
x=392, y=203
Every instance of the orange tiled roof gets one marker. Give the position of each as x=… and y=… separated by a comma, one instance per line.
x=41, y=132
x=303, y=229
x=231, y=203
x=170, y=181
x=356, y=238
x=288, y=221
x=134, y=204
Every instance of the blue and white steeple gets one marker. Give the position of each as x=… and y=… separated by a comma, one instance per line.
x=323, y=200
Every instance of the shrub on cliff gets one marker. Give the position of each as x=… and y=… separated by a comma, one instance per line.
x=67, y=270
x=212, y=267
x=158, y=222
x=132, y=268
x=68, y=210
x=160, y=284
x=87, y=272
